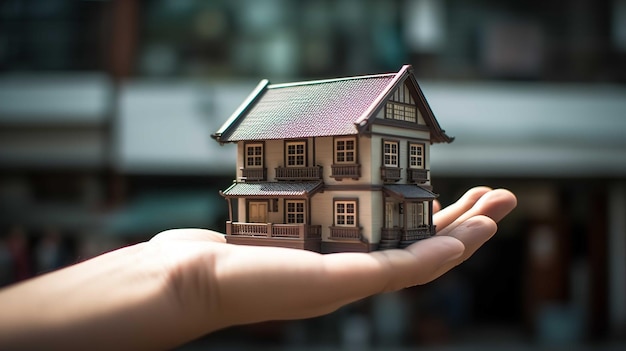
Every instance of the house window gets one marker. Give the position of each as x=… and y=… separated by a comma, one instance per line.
x=401, y=112
x=401, y=106
x=296, y=152
x=416, y=156
x=345, y=150
x=390, y=153
x=295, y=211
x=415, y=215
x=345, y=213
x=254, y=156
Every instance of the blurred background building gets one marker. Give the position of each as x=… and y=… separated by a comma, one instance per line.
x=106, y=108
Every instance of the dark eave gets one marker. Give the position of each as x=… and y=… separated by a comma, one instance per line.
x=409, y=192
x=438, y=135
x=241, y=111
x=272, y=189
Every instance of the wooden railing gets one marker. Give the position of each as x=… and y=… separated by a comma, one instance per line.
x=417, y=175
x=299, y=173
x=390, y=233
x=390, y=174
x=339, y=171
x=272, y=230
x=418, y=233
x=346, y=233
x=253, y=174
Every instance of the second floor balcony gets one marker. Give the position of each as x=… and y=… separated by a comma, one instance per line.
x=341, y=171
x=419, y=176
x=253, y=174
x=390, y=174
x=299, y=173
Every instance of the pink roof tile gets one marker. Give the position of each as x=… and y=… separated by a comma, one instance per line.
x=309, y=109
x=341, y=106
x=272, y=189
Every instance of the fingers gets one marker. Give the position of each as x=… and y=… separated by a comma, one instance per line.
x=473, y=233
x=390, y=270
x=436, y=206
x=494, y=204
x=448, y=215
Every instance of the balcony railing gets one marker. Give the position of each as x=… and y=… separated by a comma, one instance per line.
x=389, y=238
x=299, y=173
x=253, y=174
x=391, y=234
x=419, y=233
x=417, y=175
x=346, y=233
x=390, y=174
x=399, y=237
x=272, y=230
x=339, y=171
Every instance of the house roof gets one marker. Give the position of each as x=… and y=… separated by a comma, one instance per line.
x=409, y=192
x=272, y=189
x=341, y=106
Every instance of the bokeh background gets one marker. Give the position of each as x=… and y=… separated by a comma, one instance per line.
x=106, y=108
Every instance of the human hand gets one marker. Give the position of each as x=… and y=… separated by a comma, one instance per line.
x=218, y=285
x=185, y=283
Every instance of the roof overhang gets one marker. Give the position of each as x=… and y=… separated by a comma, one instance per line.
x=272, y=189
x=409, y=192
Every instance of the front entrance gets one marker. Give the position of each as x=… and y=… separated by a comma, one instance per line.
x=389, y=215
x=257, y=211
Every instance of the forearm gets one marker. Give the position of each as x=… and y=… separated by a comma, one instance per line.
x=120, y=300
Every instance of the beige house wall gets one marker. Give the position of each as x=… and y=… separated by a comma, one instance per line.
x=404, y=136
x=369, y=215
x=324, y=154
x=274, y=157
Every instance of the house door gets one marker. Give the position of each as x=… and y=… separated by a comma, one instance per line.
x=389, y=214
x=257, y=211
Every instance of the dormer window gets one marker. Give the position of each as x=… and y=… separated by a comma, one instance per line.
x=401, y=106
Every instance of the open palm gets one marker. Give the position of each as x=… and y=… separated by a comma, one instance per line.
x=218, y=284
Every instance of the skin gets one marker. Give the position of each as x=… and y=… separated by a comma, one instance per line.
x=185, y=283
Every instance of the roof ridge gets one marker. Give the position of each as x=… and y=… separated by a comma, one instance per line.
x=331, y=80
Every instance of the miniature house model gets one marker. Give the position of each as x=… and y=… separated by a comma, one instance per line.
x=333, y=165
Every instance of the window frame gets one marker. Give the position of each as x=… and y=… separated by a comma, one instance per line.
x=391, y=154
x=296, y=143
x=345, y=151
x=295, y=212
x=337, y=215
x=247, y=157
x=418, y=158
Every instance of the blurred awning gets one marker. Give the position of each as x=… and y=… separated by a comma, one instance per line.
x=151, y=213
x=521, y=129
x=409, y=192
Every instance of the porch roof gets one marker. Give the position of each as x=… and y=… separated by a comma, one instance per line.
x=272, y=189
x=409, y=192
